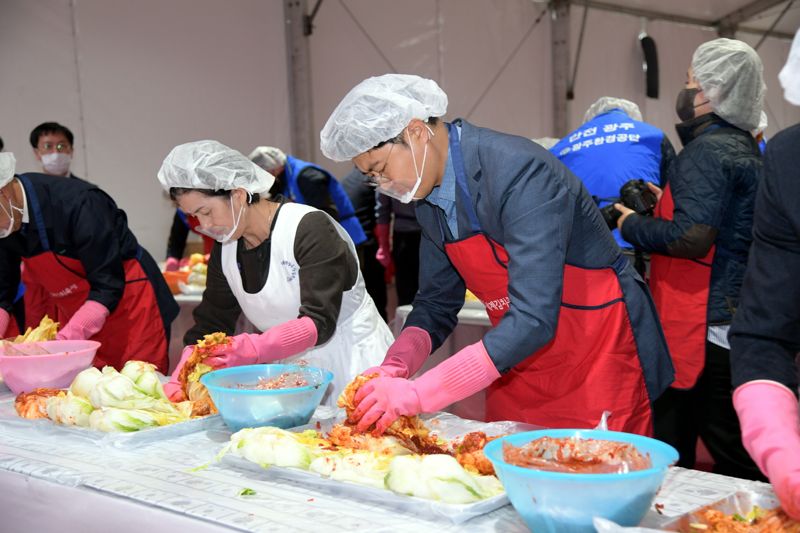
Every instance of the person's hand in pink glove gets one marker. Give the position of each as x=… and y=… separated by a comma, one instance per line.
x=770, y=421
x=172, y=264
x=384, y=253
x=382, y=400
x=85, y=323
x=284, y=340
x=5, y=320
x=405, y=356
x=173, y=388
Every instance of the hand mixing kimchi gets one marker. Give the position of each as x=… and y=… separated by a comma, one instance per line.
x=411, y=433
x=194, y=368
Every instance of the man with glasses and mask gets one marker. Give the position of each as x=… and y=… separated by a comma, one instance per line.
x=74, y=242
x=52, y=146
x=575, y=332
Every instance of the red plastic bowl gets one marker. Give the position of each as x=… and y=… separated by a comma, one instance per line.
x=56, y=370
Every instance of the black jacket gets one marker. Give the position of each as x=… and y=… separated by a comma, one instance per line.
x=713, y=182
x=765, y=335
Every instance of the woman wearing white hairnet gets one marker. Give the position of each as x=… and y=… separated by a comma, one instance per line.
x=575, y=331
x=290, y=268
x=699, y=241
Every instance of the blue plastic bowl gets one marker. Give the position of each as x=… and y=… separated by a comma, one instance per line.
x=561, y=502
x=248, y=408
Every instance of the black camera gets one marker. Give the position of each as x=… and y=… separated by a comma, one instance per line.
x=636, y=195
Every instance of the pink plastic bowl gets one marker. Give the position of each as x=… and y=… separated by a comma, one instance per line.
x=56, y=370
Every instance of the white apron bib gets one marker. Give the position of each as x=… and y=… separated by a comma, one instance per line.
x=361, y=337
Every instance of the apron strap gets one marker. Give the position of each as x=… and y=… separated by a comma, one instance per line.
x=36, y=211
x=461, y=177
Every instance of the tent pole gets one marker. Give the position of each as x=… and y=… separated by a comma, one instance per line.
x=298, y=61
x=559, y=31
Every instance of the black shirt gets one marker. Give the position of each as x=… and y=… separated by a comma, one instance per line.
x=327, y=270
x=765, y=334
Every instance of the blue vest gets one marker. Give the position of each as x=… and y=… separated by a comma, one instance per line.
x=608, y=151
x=347, y=215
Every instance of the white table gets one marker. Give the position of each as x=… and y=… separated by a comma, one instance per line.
x=62, y=484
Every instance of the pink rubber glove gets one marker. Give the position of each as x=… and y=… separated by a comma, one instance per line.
x=405, y=356
x=173, y=388
x=382, y=400
x=85, y=323
x=283, y=340
x=5, y=319
x=770, y=421
x=172, y=264
x=384, y=254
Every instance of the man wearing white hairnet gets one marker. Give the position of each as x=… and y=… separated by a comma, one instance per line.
x=76, y=245
x=612, y=147
x=574, y=328
x=290, y=268
x=765, y=334
x=699, y=240
x=309, y=184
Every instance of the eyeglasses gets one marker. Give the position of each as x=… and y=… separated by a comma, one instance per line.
x=54, y=147
x=377, y=178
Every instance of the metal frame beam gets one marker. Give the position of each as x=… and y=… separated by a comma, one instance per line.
x=680, y=19
x=298, y=62
x=559, y=49
x=727, y=25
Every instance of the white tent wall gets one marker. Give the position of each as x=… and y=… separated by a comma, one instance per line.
x=133, y=79
x=153, y=74
x=611, y=65
x=462, y=44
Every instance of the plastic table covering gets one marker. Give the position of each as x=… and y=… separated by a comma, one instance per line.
x=64, y=484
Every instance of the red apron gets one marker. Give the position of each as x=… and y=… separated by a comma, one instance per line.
x=37, y=301
x=680, y=293
x=592, y=363
x=208, y=242
x=133, y=331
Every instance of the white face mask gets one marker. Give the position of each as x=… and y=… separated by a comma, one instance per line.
x=396, y=190
x=56, y=163
x=10, y=214
x=219, y=233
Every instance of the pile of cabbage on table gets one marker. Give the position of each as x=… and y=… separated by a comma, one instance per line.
x=107, y=400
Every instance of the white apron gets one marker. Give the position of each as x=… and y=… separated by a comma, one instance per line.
x=361, y=337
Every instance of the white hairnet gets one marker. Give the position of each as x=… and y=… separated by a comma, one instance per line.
x=607, y=103
x=790, y=73
x=268, y=157
x=377, y=110
x=212, y=165
x=731, y=76
x=8, y=164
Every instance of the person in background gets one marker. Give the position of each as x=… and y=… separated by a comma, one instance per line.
x=363, y=198
x=178, y=234
x=75, y=243
x=698, y=240
x=306, y=183
x=612, y=147
x=52, y=146
x=765, y=334
x=290, y=268
x=399, y=235
x=575, y=332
